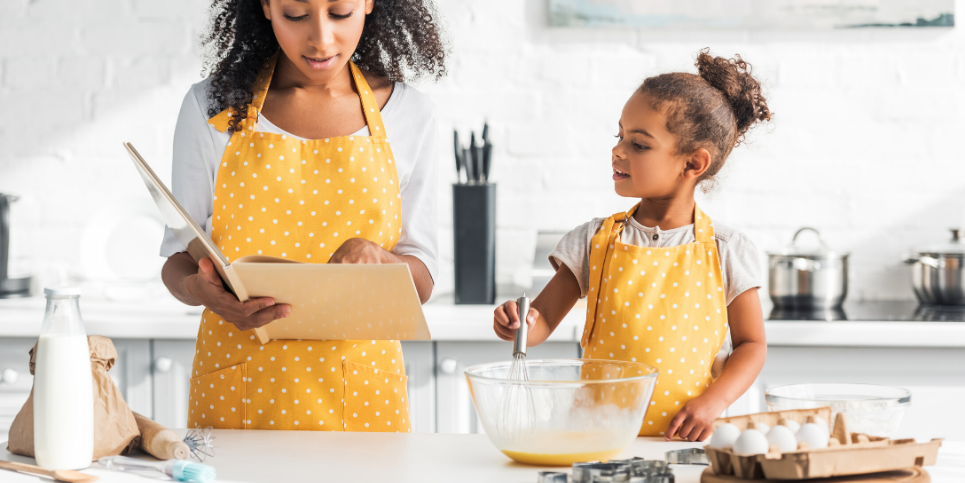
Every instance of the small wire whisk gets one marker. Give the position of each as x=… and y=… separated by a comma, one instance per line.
x=518, y=410
x=199, y=441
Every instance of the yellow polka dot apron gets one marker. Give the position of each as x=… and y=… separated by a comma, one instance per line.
x=300, y=199
x=660, y=306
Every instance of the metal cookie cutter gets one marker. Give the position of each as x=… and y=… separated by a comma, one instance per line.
x=552, y=477
x=636, y=470
x=689, y=456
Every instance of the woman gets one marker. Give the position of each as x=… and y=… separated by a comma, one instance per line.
x=284, y=151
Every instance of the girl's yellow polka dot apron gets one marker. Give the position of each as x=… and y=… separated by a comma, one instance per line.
x=660, y=306
x=297, y=199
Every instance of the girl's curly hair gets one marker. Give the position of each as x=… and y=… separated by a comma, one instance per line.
x=713, y=108
x=401, y=40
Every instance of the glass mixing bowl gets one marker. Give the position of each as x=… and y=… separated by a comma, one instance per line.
x=869, y=409
x=570, y=410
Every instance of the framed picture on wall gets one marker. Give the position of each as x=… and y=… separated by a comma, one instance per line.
x=752, y=14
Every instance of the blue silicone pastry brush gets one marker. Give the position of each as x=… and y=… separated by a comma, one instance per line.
x=178, y=470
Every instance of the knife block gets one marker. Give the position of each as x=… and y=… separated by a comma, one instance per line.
x=474, y=233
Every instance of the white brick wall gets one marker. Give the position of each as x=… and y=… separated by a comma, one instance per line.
x=865, y=144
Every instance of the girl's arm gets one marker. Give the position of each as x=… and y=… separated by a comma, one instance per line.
x=545, y=313
x=693, y=422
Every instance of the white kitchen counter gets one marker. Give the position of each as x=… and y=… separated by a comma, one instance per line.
x=269, y=456
x=166, y=318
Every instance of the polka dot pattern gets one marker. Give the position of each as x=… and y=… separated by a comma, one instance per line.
x=370, y=396
x=299, y=200
x=675, y=322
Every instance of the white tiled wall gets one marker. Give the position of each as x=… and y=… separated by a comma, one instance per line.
x=865, y=143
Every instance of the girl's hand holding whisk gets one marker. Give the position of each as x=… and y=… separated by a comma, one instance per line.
x=506, y=320
x=545, y=313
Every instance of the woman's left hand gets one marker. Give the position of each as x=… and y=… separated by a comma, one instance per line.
x=357, y=250
x=694, y=421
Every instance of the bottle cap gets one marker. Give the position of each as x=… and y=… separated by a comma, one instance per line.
x=62, y=291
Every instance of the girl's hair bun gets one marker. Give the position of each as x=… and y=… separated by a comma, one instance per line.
x=712, y=109
x=733, y=78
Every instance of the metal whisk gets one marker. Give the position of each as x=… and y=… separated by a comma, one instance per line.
x=518, y=410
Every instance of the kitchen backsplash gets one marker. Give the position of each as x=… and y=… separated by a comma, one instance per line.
x=865, y=143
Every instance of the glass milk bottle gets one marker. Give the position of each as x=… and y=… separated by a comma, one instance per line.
x=63, y=393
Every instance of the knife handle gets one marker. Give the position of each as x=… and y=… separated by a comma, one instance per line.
x=470, y=165
x=487, y=160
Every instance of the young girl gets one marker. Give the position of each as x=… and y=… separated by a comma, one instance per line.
x=664, y=284
x=285, y=151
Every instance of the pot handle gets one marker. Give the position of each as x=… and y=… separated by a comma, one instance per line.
x=958, y=235
x=929, y=261
x=808, y=228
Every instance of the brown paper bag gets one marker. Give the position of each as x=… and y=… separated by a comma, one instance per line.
x=115, y=430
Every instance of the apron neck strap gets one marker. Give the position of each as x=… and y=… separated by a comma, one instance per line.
x=602, y=242
x=703, y=227
x=260, y=91
x=370, y=107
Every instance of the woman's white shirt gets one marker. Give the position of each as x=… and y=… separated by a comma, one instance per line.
x=410, y=123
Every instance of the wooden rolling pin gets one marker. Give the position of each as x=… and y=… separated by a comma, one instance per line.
x=160, y=442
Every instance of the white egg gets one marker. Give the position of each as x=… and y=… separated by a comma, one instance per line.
x=792, y=425
x=814, y=435
x=762, y=427
x=724, y=436
x=783, y=438
x=821, y=424
x=751, y=442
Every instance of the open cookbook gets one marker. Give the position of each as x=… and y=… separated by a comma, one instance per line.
x=329, y=301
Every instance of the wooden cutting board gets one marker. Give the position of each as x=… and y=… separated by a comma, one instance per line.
x=910, y=475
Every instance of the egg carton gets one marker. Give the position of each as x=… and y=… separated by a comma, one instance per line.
x=847, y=454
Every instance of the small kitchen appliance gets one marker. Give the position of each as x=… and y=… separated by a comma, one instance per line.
x=9, y=287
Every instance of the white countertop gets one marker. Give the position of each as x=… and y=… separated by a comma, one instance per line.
x=166, y=318
x=269, y=456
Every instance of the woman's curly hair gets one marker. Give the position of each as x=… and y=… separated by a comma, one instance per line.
x=401, y=40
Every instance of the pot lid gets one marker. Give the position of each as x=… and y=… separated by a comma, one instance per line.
x=955, y=246
x=821, y=250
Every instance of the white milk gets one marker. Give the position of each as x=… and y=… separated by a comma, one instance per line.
x=63, y=403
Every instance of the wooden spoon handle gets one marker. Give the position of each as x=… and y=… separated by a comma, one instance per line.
x=13, y=466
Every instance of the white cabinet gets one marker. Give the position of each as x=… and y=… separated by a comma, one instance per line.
x=15, y=380
x=171, y=377
x=419, y=357
x=454, y=409
x=132, y=374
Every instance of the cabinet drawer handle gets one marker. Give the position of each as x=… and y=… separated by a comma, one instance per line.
x=162, y=364
x=448, y=366
x=8, y=376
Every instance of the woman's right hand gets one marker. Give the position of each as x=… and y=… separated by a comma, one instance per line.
x=506, y=320
x=206, y=287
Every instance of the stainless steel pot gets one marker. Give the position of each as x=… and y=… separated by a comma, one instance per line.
x=937, y=272
x=814, y=278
